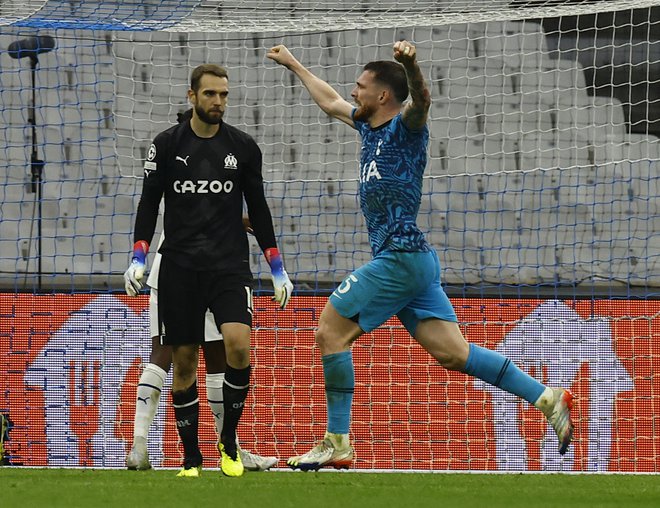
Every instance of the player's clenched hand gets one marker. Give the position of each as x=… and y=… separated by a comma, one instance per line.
x=134, y=275
x=283, y=287
x=404, y=52
x=281, y=282
x=281, y=55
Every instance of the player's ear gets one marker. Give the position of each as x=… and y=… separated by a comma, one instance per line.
x=192, y=96
x=384, y=95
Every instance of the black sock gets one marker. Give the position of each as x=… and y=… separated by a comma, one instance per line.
x=186, y=411
x=235, y=390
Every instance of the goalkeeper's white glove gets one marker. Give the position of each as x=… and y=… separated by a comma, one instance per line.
x=281, y=283
x=134, y=275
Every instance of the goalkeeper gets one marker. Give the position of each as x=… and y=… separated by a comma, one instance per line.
x=403, y=278
x=206, y=169
x=153, y=377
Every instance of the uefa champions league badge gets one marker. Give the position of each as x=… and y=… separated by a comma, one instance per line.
x=149, y=165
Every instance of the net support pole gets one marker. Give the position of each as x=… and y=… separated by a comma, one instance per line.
x=36, y=166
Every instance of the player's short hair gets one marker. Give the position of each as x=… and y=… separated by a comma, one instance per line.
x=391, y=74
x=200, y=70
x=184, y=116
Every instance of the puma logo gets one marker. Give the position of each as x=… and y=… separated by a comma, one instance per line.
x=143, y=399
x=185, y=161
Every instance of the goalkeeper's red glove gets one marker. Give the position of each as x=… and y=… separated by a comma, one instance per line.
x=281, y=283
x=134, y=275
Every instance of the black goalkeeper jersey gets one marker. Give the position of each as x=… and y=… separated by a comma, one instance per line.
x=204, y=182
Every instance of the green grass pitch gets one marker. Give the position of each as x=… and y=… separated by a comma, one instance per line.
x=28, y=488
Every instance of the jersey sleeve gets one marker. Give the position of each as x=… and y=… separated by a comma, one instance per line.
x=406, y=132
x=153, y=186
x=253, y=192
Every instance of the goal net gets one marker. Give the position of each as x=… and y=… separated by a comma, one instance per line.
x=540, y=191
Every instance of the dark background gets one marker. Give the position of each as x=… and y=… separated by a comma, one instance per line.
x=620, y=53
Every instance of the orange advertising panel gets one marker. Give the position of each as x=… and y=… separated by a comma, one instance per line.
x=69, y=366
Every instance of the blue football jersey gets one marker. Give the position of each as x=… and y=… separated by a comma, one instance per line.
x=392, y=163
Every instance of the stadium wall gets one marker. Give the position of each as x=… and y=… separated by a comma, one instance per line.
x=69, y=366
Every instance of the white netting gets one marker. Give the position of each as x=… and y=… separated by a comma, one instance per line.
x=12, y=11
x=284, y=16
x=531, y=179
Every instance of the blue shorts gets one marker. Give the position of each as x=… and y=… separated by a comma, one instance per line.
x=405, y=284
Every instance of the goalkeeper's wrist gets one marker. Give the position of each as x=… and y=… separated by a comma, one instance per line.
x=274, y=259
x=140, y=251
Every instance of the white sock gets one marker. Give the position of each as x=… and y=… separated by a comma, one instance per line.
x=214, y=395
x=546, y=400
x=148, y=396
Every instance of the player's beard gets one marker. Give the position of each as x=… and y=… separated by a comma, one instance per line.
x=363, y=113
x=207, y=118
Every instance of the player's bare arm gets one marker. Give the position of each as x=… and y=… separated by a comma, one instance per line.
x=415, y=113
x=327, y=98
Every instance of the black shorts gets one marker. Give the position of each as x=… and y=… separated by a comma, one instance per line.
x=184, y=295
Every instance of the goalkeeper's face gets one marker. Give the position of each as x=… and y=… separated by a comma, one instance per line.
x=210, y=100
x=367, y=95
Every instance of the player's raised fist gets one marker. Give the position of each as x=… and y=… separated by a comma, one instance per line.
x=404, y=52
x=281, y=55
